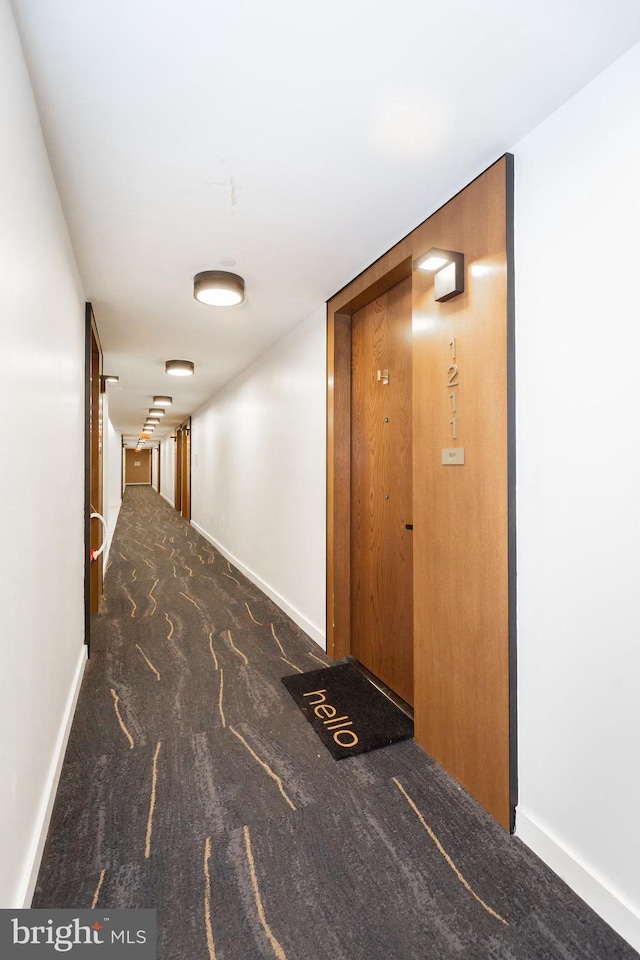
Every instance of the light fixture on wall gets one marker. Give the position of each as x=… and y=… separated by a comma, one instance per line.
x=156, y=412
x=218, y=288
x=106, y=378
x=162, y=401
x=179, y=368
x=447, y=267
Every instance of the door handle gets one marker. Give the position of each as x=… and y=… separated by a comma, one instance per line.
x=408, y=526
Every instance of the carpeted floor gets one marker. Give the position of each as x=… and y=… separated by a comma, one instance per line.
x=193, y=784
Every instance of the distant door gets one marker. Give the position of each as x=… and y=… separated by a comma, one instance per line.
x=138, y=466
x=381, y=489
x=177, y=498
x=185, y=469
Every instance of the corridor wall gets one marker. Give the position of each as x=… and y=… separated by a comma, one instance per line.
x=168, y=470
x=42, y=652
x=577, y=331
x=258, y=473
x=112, y=469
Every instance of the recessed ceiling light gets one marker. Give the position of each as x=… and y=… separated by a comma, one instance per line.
x=179, y=368
x=218, y=288
x=162, y=401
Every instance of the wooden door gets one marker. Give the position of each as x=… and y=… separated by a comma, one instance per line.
x=185, y=470
x=381, y=489
x=177, y=497
x=93, y=468
x=138, y=466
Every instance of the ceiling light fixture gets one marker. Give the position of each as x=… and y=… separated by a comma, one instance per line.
x=179, y=368
x=448, y=269
x=218, y=288
x=156, y=412
x=162, y=401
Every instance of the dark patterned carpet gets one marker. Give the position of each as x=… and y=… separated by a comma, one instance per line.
x=194, y=785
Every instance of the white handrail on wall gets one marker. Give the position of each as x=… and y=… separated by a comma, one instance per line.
x=94, y=554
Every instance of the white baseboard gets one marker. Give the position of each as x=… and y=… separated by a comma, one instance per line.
x=46, y=807
x=608, y=904
x=168, y=499
x=309, y=628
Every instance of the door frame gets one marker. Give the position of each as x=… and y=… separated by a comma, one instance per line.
x=93, y=471
x=383, y=274
x=183, y=469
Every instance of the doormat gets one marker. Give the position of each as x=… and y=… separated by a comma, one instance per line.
x=349, y=714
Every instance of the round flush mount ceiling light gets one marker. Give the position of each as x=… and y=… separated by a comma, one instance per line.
x=179, y=368
x=162, y=401
x=218, y=288
x=156, y=412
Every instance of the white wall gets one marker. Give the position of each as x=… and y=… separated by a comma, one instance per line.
x=42, y=485
x=155, y=457
x=112, y=474
x=258, y=473
x=168, y=469
x=578, y=330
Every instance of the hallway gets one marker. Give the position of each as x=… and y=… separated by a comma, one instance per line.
x=192, y=784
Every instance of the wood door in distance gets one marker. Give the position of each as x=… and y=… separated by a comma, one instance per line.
x=185, y=470
x=381, y=489
x=138, y=466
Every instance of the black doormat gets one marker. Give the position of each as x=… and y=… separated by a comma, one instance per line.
x=349, y=714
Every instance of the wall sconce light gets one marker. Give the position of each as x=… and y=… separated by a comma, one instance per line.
x=447, y=267
x=179, y=368
x=218, y=288
x=106, y=378
x=162, y=401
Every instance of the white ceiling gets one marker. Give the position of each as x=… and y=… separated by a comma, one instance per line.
x=301, y=140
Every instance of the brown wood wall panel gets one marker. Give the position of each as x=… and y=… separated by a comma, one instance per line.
x=461, y=512
x=461, y=599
